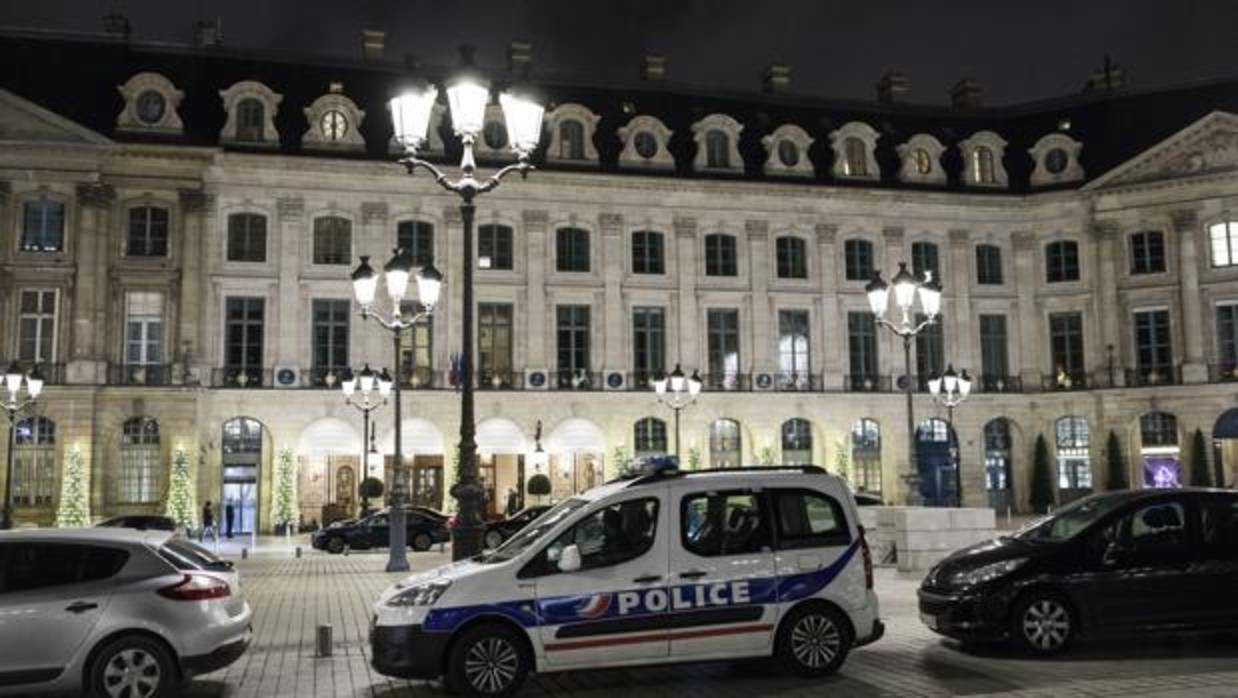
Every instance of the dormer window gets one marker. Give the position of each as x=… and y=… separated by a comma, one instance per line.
x=717, y=139
x=717, y=147
x=645, y=140
x=571, y=128
x=921, y=160
x=982, y=165
x=334, y=124
x=571, y=140
x=151, y=101
x=494, y=143
x=250, y=115
x=151, y=107
x=1057, y=160
x=854, y=146
x=251, y=108
x=787, y=151
x=982, y=158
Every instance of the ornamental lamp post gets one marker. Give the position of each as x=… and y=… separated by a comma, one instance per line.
x=368, y=401
x=396, y=273
x=467, y=96
x=906, y=290
x=13, y=406
x=677, y=392
x=951, y=390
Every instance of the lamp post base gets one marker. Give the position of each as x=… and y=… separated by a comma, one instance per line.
x=398, y=559
x=466, y=538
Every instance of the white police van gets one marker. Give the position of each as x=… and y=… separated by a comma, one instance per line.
x=665, y=567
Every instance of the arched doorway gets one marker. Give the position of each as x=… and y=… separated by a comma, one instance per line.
x=328, y=458
x=865, y=466
x=725, y=444
x=421, y=443
x=936, y=451
x=241, y=460
x=501, y=446
x=1225, y=447
x=1074, y=461
x=998, y=479
x=1158, y=447
x=577, y=449
x=797, y=442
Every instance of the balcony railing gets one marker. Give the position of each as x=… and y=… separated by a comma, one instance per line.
x=726, y=382
x=322, y=377
x=1065, y=381
x=1163, y=375
x=990, y=383
x=576, y=380
x=643, y=380
x=797, y=382
x=1223, y=373
x=241, y=377
x=139, y=374
x=867, y=383
x=423, y=378
x=500, y=380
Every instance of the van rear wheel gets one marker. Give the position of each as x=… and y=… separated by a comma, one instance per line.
x=489, y=660
x=813, y=641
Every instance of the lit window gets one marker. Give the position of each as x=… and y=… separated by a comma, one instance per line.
x=138, y=481
x=855, y=163
x=42, y=226
x=1224, y=238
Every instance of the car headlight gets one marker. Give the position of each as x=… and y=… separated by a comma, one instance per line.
x=985, y=573
x=420, y=595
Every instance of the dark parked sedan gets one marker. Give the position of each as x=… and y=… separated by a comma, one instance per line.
x=499, y=531
x=1123, y=562
x=373, y=531
x=141, y=522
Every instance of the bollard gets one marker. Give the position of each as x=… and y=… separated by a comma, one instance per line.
x=346, y=550
x=244, y=553
x=298, y=552
x=324, y=640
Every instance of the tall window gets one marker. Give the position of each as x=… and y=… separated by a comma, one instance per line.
x=1147, y=252
x=793, y=368
x=792, y=256
x=42, y=226
x=865, y=472
x=722, y=330
x=855, y=153
x=721, y=257
x=1066, y=347
x=571, y=249
x=1062, y=261
x=36, y=326
x=247, y=237
x=989, y=265
x=572, y=333
x=648, y=343
x=417, y=348
x=417, y=237
x=571, y=140
x=1074, y=469
x=647, y=253
x=494, y=247
x=139, y=481
x=494, y=342
x=796, y=442
x=930, y=350
x=330, y=328
x=250, y=121
x=34, y=467
x=994, y=364
x=1158, y=429
x=148, y=232
x=143, y=336
x=650, y=436
x=243, y=340
x=997, y=448
x=717, y=149
x=332, y=240
x=1224, y=239
x=1153, y=352
x=862, y=346
x=982, y=165
x=1227, y=337
x=725, y=444
x=924, y=258
x=858, y=260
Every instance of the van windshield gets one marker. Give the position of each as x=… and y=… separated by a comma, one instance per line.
x=1068, y=521
x=530, y=534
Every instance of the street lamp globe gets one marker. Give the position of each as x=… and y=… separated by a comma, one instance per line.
x=397, y=270
x=677, y=379
x=905, y=285
x=429, y=285
x=12, y=378
x=34, y=382
x=694, y=383
x=410, y=115
x=878, y=295
x=950, y=381
x=660, y=383
x=930, y=296
x=964, y=384
x=524, y=120
x=384, y=384
x=365, y=380
x=467, y=95
x=348, y=383
x=934, y=384
x=364, y=283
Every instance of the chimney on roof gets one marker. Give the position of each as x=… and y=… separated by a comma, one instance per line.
x=116, y=25
x=966, y=94
x=653, y=67
x=777, y=78
x=208, y=33
x=520, y=57
x=893, y=87
x=373, y=42
x=1110, y=76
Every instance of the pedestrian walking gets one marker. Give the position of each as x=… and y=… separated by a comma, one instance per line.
x=208, y=524
x=229, y=512
x=513, y=501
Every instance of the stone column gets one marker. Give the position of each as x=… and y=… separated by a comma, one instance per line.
x=688, y=352
x=960, y=322
x=286, y=244
x=536, y=233
x=1106, y=307
x=764, y=327
x=1029, y=335
x=829, y=345
x=1191, y=332
x=613, y=320
x=185, y=348
x=90, y=292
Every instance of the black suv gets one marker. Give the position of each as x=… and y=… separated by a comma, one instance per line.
x=373, y=531
x=499, y=531
x=1122, y=562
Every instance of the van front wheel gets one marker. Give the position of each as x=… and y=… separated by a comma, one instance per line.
x=490, y=660
x=813, y=641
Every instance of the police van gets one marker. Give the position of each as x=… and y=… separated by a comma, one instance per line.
x=666, y=567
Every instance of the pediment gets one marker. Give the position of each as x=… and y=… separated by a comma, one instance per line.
x=1208, y=146
x=24, y=121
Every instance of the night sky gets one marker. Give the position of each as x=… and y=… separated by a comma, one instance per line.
x=1019, y=51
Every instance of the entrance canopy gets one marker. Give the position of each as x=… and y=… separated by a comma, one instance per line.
x=329, y=436
x=497, y=435
x=576, y=434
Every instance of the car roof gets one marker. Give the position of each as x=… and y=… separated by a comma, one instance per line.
x=765, y=476
x=86, y=535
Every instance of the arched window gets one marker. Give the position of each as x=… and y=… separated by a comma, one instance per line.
x=856, y=154
x=241, y=448
x=1224, y=239
x=797, y=442
x=717, y=149
x=650, y=436
x=571, y=140
x=725, y=444
x=247, y=237
x=1062, y=261
x=250, y=121
x=332, y=240
x=417, y=237
x=858, y=260
x=792, y=257
x=924, y=258
x=997, y=448
x=1074, y=467
x=721, y=256
x=139, y=480
x=34, y=467
x=865, y=466
x=982, y=165
x=1158, y=436
x=148, y=232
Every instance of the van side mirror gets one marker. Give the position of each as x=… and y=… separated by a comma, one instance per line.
x=569, y=559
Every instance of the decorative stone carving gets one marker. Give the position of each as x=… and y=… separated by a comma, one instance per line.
x=151, y=103
x=826, y=233
x=731, y=161
x=373, y=212
x=1024, y=241
x=194, y=200
x=334, y=124
x=1105, y=231
x=1208, y=146
x=920, y=160
x=536, y=217
x=559, y=150
x=610, y=220
x=862, y=164
x=893, y=233
x=1056, y=158
x=95, y=195
x=959, y=236
x=290, y=207
x=685, y=227
x=645, y=140
x=233, y=97
x=1184, y=219
x=757, y=230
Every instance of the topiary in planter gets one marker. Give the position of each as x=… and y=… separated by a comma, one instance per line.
x=1041, y=495
x=538, y=486
x=1200, y=477
x=371, y=488
x=1116, y=465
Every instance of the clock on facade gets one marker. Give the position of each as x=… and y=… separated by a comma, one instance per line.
x=150, y=107
x=1056, y=161
x=646, y=145
x=333, y=125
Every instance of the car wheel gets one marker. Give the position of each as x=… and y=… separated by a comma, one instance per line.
x=489, y=660
x=422, y=542
x=1043, y=623
x=335, y=545
x=132, y=667
x=493, y=539
x=813, y=641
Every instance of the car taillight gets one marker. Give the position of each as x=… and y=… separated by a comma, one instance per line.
x=196, y=587
x=868, y=560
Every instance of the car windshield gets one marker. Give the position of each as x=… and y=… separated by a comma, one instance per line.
x=529, y=535
x=1068, y=521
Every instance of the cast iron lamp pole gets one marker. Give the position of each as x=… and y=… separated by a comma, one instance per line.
x=365, y=382
x=467, y=96
x=682, y=394
x=951, y=389
x=13, y=406
x=906, y=288
x=365, y=285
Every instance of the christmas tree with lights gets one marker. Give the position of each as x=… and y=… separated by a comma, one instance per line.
x=285, y=504
x=74, y=509
x=181, y=505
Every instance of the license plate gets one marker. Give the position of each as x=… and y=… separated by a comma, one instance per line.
x=930, y=621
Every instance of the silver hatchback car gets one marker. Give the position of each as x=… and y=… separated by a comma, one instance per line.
x=114, y=613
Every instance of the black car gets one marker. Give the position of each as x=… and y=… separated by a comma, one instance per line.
x=373, y=531
x=501, y=530
x=1122, y=562
x=141, y=522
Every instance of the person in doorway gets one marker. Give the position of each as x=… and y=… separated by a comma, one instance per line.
x=229, y=513
x=513, y=501
x=208, y=524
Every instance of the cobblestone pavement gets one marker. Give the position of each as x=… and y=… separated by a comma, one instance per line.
x=292, y=596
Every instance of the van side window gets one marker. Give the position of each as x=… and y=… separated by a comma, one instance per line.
x=808, y=519
x=609, y=536
x=713, y=524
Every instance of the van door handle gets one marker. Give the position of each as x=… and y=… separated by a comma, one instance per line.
x=81, y=607
x=648, y=579
x=693, y=574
